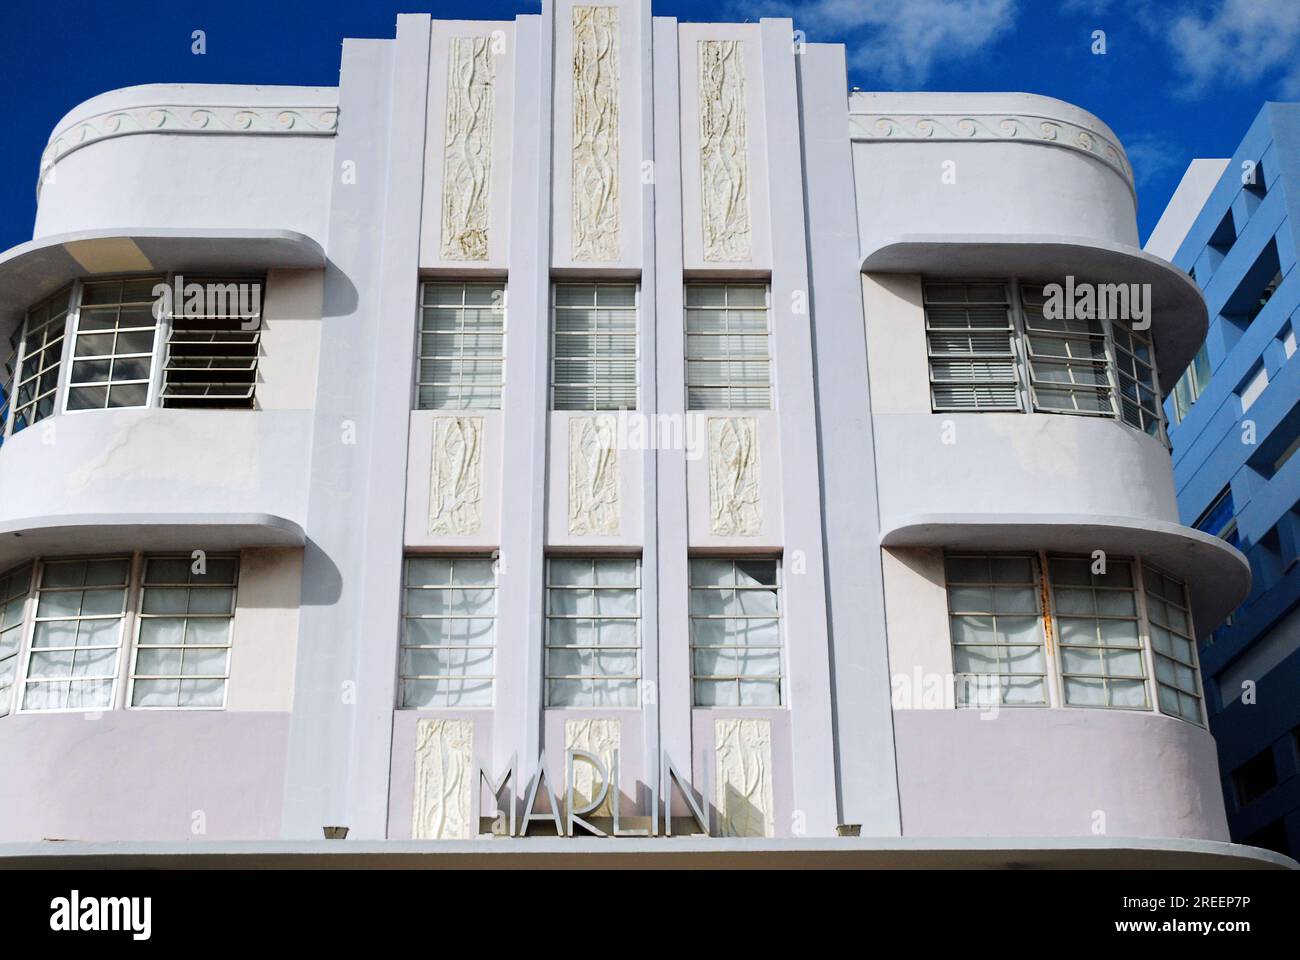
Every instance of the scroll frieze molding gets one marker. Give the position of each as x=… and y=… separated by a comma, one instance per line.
x=724, y=159
x=467, y=152
x=594, y=501
x=601, y=738
x=597, y=217
x=941, y=128
x=743, y=751
x=735, y=506
x=444, y=775
x=456, y=477
x=321, y=121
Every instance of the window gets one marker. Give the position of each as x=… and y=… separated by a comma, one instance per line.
x=462, y=346
x=212, y=353
x=1256, y=777
x=182, y=653
x=1219, y=518
x=593, y=632
x=989, y=343
x=1177, y=688
x=1139, y=394
x=995, y=622
x=969, y=338
x=727, y=359
x=72, y=662
x=112, y=353
x=38, y=362
x=9, y=372
x=1251, y=389
x=594, y=346
x=1192, y=383
x=15, y=585
x=1101, y=646
x=448, y=632
x=735, y=633
x=1068, y=369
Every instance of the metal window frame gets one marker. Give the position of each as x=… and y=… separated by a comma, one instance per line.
x=1043, y=645
x=725, y=310
x=1107, y=363
x=140, y=617
x=1014, y=354
x=9, y=701
x=420, y=331
x=779, y=647
x=403, y=645
x=1190, y=637
x=74, y=333
x=1138, y=619
x=547, y=646
x=125, y=622
x=167, y=330
x=634, y=334
x=21, y=357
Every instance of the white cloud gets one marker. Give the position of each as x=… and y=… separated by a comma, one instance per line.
x=1241, y=41
x=900, y=40
x=1152, y=156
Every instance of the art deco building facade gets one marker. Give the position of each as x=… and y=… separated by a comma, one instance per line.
x=614, y=396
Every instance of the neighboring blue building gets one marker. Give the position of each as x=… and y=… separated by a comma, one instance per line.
x=1235, y=428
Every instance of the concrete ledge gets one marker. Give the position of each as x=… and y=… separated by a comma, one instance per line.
x=33, y=270
x=1179, y=318
x=851, y=853
x=1217, y=574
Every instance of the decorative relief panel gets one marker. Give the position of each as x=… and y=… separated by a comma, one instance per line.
x=735, y=509
x=724, y=161
x=955, y=127
x=456, y=477
x=744, y=769
x=596, y=216
x=594, y=506
x=169, y=118
x=444, y=775
x=467, y=150
x=601, y=738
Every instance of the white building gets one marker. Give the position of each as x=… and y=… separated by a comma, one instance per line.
x=583, y=408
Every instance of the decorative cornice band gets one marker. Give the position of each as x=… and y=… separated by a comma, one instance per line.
x=320, y=121
x=941, y=128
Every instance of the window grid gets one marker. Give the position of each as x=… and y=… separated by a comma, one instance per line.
x=594, y=348
x=448, y=632
x=71, y=663
x=1173, y=647
x=113, y=344
x=593, y=632
x=995, y=623
x=1138, y=387
x=1102, y=661
x=970, y=347
x=211, y=359
x=181, y=658
x=41, y=351
x=735, y=632
x=15, y=588
x=1069, y=369
x=728, y=363
x=10, y=373
x=461, y=363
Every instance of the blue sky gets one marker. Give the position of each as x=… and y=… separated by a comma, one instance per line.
x=1180, y=78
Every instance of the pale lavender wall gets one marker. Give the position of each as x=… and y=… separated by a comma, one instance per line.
x=142, y=775
x=1046, y=773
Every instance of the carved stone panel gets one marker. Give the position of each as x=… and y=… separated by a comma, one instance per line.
x=601, y=738
x=456, y=477
x=735, y=509
x=467, y=151
x=743, y=749
x=444, y=775
x=594, y=505
x=596, y=212
x=724, y=160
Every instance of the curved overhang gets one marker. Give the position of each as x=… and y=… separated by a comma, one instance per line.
x=1178, y=315
x=33, y=270
x=1217, y=574
x=79, y=534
